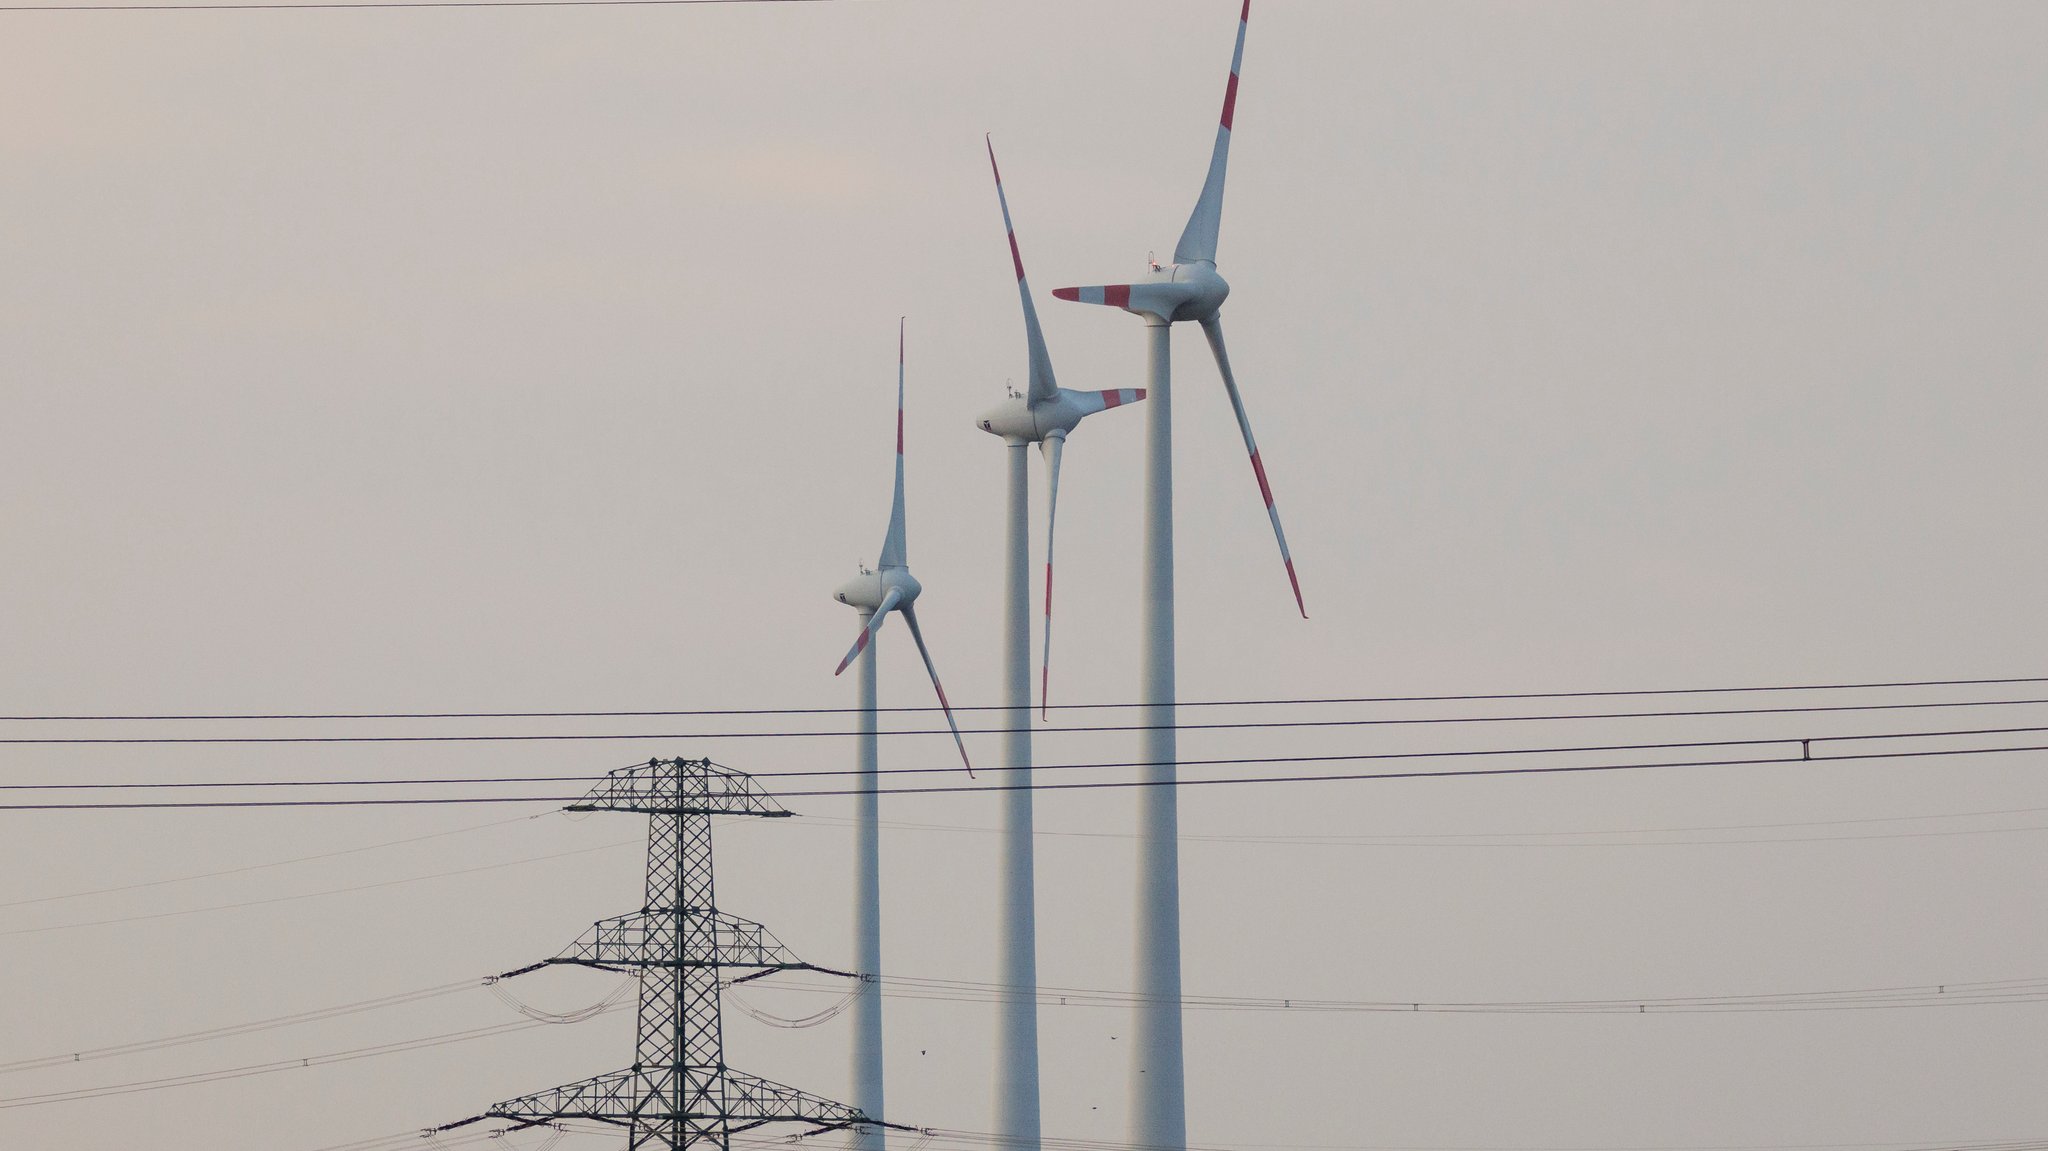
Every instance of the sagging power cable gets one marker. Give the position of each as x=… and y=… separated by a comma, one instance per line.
x=1803, y=759
x=1469, y=697
x=1239, y=725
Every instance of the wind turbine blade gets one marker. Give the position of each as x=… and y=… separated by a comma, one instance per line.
x=1213, y=328
x=917, y=633
x=1198, y=241
x=1042, y=385
x=1053, y=447
x=1112, y=295
x=895, y=552
x=868, y=630
x=1090, y=403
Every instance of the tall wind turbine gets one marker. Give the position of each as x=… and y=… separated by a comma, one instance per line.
x=1187, y=289
x=1043, y=415
x=875, y=594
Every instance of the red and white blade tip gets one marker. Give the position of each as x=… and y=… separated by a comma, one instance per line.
x=1112, y=295
x=1273, y=513
x=859, y=645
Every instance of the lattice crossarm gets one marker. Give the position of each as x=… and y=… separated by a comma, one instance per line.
x=624, y=941
x=641, y=939
x=737, y=942
x=753, y=1100
x=606, y=1098
x=657, y=787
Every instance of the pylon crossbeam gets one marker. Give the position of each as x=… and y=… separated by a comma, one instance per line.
x=653, y=939
x=654, y=788
x=618, y=1097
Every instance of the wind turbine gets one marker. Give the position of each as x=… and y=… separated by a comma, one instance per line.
x=1043, y=414
x=1187, y=289
x=890, y=587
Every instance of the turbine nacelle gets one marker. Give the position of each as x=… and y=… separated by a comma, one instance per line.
x=1020, y=421
x=1169, y=293
x=867, y=590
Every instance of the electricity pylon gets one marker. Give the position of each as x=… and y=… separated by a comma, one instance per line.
x=678, y=1093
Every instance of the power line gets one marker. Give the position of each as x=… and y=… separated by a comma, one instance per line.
x=1573, y=838
x=273, y=1066
x=946, y=1139
x=1538, y=839
x=181, y=912
x=1097, y=765
x=234, y=1030
x=1580, y=838
x=1469, y=697
x=266, y=866
x=1863, y=820
x=1085, y=785
x=334, y=4
x=1963, y=994
x=1457, y=773
x=1247, y=725
x=2006, y=992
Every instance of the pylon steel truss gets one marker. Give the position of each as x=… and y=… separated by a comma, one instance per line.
x=678, y=1093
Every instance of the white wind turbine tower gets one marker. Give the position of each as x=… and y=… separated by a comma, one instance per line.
x=875, y=594
x=1187, y=289
x=1044, y=414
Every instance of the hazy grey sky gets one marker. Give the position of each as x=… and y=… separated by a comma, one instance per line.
x=510, y=359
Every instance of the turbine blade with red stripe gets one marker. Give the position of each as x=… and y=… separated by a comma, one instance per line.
x=1114, y=295
x=1213, y=328
x=1042, y=386
x=868, y=629
x=917, y=633
x=1093, y=402
x=1052, y=447
x=1198, y=241
x=895, y=551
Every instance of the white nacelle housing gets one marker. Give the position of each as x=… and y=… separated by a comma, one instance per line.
x=1019, y=421
x=866, y=590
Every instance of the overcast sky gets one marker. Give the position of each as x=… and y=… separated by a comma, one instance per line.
x=542, y=359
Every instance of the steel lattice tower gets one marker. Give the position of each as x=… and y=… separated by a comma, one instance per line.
x=678, y=1093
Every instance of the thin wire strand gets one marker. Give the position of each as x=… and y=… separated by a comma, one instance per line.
x=274, y=863
x=1977, y=993
x=1249, y=725
x=1084, y=785
x=1665, y=745
x=335, y=4
x=233, y=1030
x=181, y=912
x=197, y=1077
x=1524, y=839
x=1470, y=697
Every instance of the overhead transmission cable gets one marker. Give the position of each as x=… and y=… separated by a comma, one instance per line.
x=233, y=1030
x=1082, y=785
x=1805, y=742
x=197, y=1077
x=2008, y=992
x=323, y=5
x=1466, y=697
x=1240, y=725
x=336, y=854
x=179, y=913
x=949, y=1139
